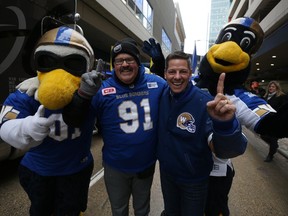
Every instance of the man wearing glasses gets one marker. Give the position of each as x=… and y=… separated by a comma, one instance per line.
x=126, y=109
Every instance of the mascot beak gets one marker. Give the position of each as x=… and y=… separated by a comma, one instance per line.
x=56, y=88
x=227, y=57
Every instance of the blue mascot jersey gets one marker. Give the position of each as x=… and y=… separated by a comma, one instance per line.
x=250, y=108
x=65, y=151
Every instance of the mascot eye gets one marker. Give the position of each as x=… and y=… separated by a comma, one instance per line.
x=226, y=37
x=244, y=43
x=74, y=64
x=45, y=62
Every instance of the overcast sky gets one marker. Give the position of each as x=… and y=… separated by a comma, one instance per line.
x=195, y=16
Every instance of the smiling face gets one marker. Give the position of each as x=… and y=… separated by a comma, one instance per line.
x=126, y=68
x=178, y=74
x=272, y=88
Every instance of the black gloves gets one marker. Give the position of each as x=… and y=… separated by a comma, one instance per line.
x=154, y=50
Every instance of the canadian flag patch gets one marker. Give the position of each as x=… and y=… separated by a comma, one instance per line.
x=107, y=91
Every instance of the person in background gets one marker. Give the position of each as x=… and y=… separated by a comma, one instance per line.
x=276, y=98
x=256, y=89
x=191, y=123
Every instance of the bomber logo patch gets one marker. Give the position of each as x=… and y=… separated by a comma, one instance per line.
x=185, y=121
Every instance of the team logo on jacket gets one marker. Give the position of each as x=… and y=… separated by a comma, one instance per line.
x=185, y=121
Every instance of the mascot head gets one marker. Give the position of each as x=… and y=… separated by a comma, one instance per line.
x=231, y=53
x=61, y=56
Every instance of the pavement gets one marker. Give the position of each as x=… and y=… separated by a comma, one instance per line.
x=283, y=147
x=283, y=144
x=258, y=189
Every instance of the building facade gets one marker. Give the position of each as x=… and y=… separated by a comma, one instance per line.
x=106, y=21
x=218, y=18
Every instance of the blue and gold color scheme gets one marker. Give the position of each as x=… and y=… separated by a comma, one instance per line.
x=62, y=55
x=231, y=54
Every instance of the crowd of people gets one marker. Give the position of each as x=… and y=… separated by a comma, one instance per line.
x=142, y=118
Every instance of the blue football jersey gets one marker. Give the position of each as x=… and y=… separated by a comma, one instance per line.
x=127, y=117
x=65, y=151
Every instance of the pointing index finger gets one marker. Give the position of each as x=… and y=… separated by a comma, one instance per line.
x=220, y=85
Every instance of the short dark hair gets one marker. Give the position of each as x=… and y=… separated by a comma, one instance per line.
x=178, y=55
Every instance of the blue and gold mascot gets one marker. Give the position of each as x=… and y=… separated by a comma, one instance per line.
x=56, y=169
x=236, y=43
x=62, y=56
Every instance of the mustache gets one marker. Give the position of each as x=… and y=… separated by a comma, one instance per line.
x=126, y=68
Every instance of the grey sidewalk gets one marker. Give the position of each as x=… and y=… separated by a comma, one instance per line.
x=283, y=147
x=283, y=144
x=259, y=188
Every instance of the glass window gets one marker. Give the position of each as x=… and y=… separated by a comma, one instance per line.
x=143, y=12
x=166, y=43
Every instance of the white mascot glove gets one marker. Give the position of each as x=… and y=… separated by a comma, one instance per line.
x=37, y=126
x=27, y=132
x=29, y=86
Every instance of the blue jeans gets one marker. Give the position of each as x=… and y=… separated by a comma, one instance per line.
x=183, y=199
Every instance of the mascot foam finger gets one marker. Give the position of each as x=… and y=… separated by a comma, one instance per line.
x=58, y=156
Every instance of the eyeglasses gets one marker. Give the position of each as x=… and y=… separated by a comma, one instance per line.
x=120, y=61
x=47, y=61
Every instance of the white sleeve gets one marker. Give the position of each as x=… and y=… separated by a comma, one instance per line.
x=12, y=132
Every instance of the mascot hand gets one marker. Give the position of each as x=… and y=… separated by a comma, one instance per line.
x=90, y=83
x=37, y=126
x=153, y=50
x=100, y=65
x=29, y=86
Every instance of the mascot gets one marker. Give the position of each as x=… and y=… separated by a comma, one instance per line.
x=231, y=54
x=55, y=171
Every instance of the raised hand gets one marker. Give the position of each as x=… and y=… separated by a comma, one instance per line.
x=91, y=82
x=221, y=108
x=153, y=49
